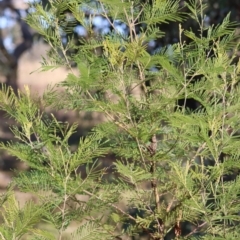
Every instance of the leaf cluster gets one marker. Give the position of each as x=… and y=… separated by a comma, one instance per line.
x=175, y=172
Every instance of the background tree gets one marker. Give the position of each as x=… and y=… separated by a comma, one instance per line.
x=12, y=46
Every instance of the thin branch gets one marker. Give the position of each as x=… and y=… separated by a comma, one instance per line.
x=120, y=211
x=196, y=229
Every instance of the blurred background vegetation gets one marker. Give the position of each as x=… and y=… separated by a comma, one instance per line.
x=21, y=50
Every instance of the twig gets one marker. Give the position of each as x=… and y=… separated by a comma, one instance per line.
x=196, y=229
x=119, y=210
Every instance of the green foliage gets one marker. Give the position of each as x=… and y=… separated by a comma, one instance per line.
x=19, y=221
x=175, y=171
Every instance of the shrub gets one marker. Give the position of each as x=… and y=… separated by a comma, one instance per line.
x=175, y=167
